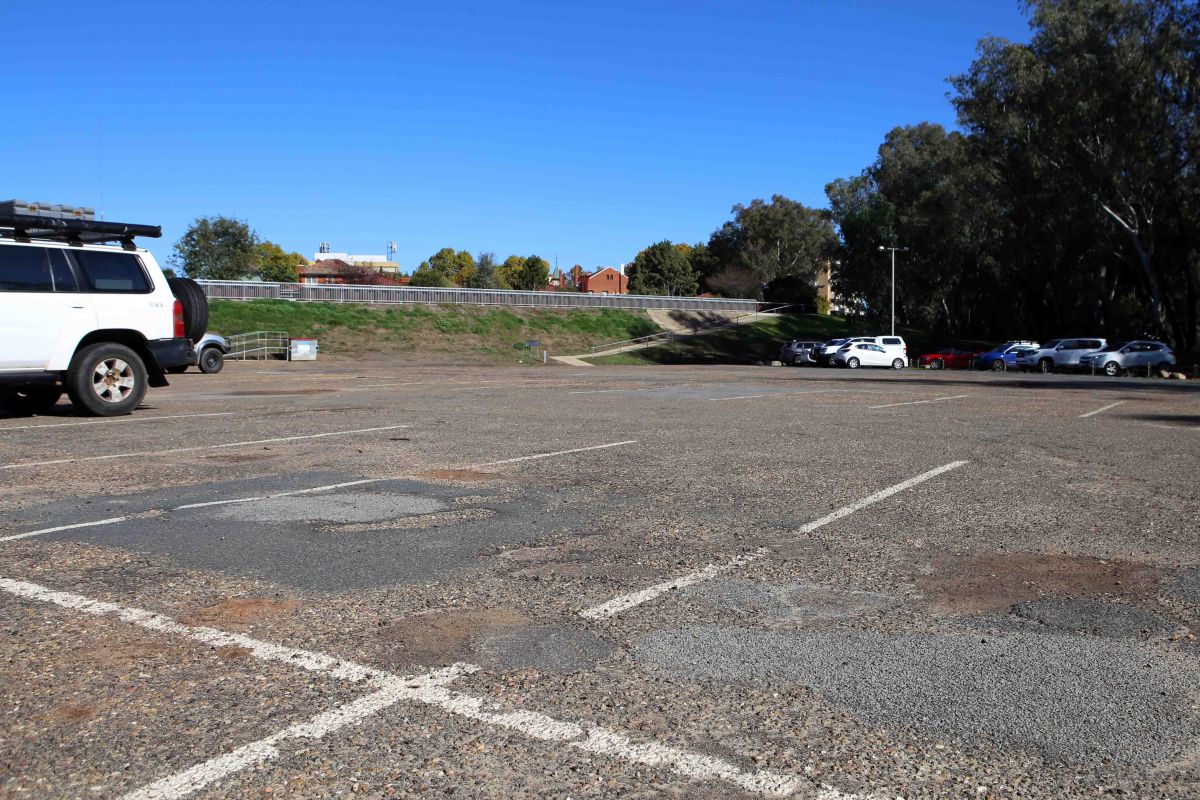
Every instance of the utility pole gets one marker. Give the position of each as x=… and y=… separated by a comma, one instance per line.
x=894, y=249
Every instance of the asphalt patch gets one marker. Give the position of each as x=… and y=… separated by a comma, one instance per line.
x=1082, y=615
x=1069, y=698
x=546, y=648
x=1186, y=587
x=787, y=603
x=294, y=541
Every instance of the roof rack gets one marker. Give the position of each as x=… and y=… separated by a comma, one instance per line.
x=25, y=222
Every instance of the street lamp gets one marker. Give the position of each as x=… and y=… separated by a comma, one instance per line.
x=893, y=249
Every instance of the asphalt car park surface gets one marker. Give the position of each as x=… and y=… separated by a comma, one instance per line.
x=311, y=580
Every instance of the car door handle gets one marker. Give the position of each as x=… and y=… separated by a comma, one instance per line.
x=79, y=307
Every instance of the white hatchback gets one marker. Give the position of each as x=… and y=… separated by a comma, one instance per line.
x=867, y=354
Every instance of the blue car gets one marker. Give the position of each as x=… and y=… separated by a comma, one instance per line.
x=1004, y=356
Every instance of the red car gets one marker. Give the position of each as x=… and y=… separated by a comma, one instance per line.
x=949, y=358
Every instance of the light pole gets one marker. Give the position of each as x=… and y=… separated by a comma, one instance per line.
x=893, y=249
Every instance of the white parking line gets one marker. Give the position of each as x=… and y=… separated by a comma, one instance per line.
x=1101, y=409
x=429, y=689
x=193, y=779
x=199, y=447
x=117, y=420
x=537, y=456
x=919, y=402
x=625, y=602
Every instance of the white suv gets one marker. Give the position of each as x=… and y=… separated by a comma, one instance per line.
x=100, y=322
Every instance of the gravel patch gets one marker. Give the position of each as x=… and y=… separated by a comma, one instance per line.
x=1070, y=698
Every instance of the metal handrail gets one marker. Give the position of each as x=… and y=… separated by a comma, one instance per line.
x=387, y=295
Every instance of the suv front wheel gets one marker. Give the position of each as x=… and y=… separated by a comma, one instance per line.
x=106, y=380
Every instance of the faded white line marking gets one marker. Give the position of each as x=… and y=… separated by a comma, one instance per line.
x=117, y=420
x=272, y=496
x=98, y=522
x=625, y=602
x=199, y=447
x=429, y=689
x=536, y=456
x=919, y=402
x=1101, y=409
x=608, y=391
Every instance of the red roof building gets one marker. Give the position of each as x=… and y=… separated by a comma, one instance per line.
x=604, y=281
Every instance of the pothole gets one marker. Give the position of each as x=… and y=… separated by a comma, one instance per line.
x=994, y=582
x=433, y=520
x=351, y=507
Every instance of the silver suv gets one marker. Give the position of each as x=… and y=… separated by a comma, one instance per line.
x=1136, y=355
x=1059, y=354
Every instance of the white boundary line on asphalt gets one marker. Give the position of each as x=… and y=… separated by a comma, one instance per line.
x=118, y=419
x=1101, y=409
x=537, y=456
x=199, y=447
x=428, y=689
x=919, y=402
x=311, y=490
x=625, y=602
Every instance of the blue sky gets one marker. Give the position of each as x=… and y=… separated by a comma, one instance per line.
x=582, y=131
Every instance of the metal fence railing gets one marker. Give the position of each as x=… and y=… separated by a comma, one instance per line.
x=258, y=345
x=387, y=295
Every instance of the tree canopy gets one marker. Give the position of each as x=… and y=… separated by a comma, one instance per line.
x=662, y=268
x=217, y=248
x=276, y=264
x=1068, y=201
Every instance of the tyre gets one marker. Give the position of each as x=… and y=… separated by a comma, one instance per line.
x=195, y=306
x=998, y=365
x=937, y=363
x=852, y=363
x=29, y=400
x=1046, y=366
x=106, y=380
x=1112, y=369
x=211, y=360
x=898, y=363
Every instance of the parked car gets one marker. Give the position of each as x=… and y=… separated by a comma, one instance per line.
x=1059, y=354
x=949, y=358
x=823, y=355
x=867, y=354
x=208, y=354
x=97, y=321
x=1004, y=356
x=893, y=344
x=1140, y=354
x=797, y=352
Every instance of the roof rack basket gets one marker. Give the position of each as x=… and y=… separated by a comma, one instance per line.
x=26, y=227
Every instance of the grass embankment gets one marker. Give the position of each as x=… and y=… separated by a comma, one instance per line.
x=759, y=341
x=459, y=333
